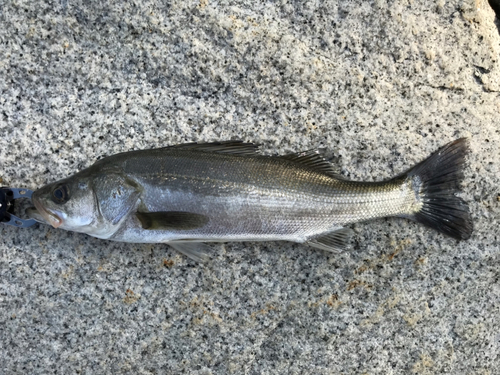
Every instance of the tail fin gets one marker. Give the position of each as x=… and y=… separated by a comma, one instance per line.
x=438, y=179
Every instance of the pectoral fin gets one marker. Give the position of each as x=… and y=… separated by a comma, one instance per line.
x=335, y=241
x=171, y=220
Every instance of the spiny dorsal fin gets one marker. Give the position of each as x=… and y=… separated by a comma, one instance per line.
x=171, y=220
x=313, y=160
x=225, y=147
x=335, y=241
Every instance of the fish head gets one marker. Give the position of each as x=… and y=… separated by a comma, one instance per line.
x=68, y=204
x=93, y=201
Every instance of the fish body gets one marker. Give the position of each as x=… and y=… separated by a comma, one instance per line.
x=228, y=192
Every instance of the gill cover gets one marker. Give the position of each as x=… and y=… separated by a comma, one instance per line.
x=116, y=196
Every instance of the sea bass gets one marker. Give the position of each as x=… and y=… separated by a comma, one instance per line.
x=226, y=191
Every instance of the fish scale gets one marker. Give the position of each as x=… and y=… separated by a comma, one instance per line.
x=228, y=192
x=250, y=197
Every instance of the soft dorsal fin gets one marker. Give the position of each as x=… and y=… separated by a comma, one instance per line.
x=225, y=147
x=313, y=160
x=171, y=220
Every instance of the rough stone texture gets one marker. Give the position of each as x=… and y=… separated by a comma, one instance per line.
x=380, y=84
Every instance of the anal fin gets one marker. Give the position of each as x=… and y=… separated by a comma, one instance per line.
x=198, y=251
x=335, y=241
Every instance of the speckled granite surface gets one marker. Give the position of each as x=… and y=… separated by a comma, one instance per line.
x=380, y=84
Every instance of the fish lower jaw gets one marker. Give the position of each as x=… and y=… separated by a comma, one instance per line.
x=49, y=217
x=33, y=213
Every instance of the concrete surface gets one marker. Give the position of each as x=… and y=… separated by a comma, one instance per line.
x=381, y=84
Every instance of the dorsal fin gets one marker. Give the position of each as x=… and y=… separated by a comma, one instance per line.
x=313, y=160
x=225, y=147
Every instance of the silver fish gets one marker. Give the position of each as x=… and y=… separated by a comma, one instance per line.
x=193, y=193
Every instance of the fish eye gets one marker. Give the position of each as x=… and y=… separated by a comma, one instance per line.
x=60, y=194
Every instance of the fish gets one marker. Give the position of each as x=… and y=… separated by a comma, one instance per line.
x=190, y=194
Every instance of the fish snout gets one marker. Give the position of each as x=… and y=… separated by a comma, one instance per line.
x=46, y=213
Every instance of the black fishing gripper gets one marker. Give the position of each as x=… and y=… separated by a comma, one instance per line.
x=7, y=199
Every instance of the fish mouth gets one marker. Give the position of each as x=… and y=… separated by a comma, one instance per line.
x=34, y=214
x=49, y=216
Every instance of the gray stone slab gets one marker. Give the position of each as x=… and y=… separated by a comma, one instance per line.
x=380, y=84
